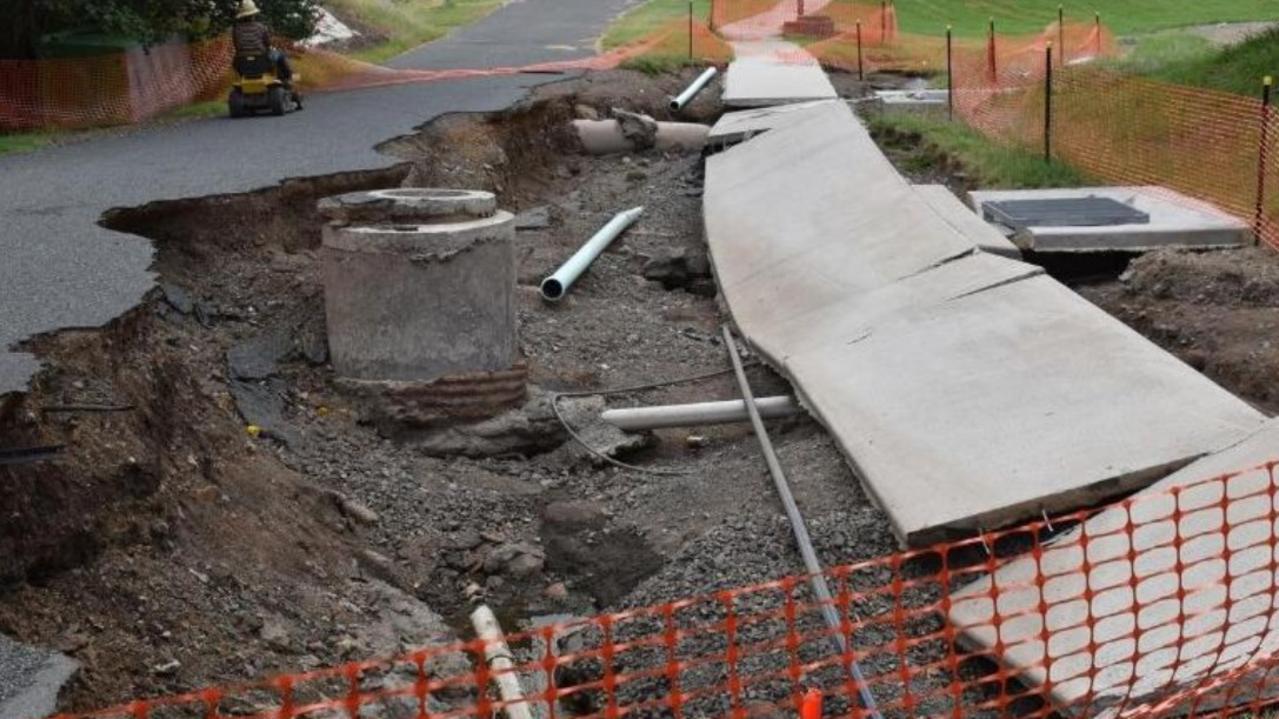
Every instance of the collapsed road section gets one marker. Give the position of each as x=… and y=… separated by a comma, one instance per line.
x=941, y=370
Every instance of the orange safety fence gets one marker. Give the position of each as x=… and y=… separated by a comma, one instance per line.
x=1163, y=604
x=1123, y=128
x=137, y=85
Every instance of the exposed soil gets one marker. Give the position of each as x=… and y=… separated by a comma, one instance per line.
x=168, y=548
x=1217, y=311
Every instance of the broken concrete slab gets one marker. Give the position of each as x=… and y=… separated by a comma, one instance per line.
x=1175, y=221
x=734, y=127
x=1147, y=597
x=773, y=72
x=985, y=404
x=914, y=102
x=941, y=370
x=30, y=679
x=954, y=212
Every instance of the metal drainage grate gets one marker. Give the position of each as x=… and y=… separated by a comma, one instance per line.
x=1063, y=212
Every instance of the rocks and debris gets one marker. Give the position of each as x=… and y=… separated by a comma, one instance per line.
x=257, y=357
x=537, y=218
x=241, y=571
x=682, y=269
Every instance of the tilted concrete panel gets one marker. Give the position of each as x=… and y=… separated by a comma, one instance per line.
x=1138, y=636
x=942, y=371
x=950, y=208
x=773, y=72
x=1008, y=402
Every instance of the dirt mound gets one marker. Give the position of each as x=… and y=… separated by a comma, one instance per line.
x=1235, y=278
x=1217, y=311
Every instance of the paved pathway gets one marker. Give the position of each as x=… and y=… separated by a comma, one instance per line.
x=61, y=270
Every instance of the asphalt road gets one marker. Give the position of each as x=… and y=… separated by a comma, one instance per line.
x=59, y=269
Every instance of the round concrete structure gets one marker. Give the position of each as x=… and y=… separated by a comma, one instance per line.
x=421, y=286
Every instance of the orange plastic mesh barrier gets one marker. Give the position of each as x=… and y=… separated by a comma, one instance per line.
x=1122, y=128
x=1160, y=605
x=136, y=85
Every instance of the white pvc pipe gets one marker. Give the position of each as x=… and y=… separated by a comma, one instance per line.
x=640, y=419
x=678, y=102
x=498, y=656
x=557, y=285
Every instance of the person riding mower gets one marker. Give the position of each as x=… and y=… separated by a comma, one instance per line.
x=264, y=80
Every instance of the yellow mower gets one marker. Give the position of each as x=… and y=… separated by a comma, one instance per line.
x=257, y=87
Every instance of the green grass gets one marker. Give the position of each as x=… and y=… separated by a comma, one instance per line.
x=929, y=142
x=649, y=17
x=24, y=141
x=1124, y=17
x=409, y=23
x=1150, y=53
x=197, y=110
x=1238, y=69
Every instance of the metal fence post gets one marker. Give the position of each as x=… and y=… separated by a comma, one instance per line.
x=1061, y=32
x=690, y=29
x=990, y=54
x=861, y=68
x=950, y=75
x=883, y=22
x=1048, y=103
x=1263, y=156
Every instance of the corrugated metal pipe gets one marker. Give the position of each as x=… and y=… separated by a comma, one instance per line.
x=558, y=284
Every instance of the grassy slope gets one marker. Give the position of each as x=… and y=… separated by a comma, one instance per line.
x=970, y=17
x=650, y=17
x=991, y=165
x=24, y=142
x=1238, y=69
x=409, y=24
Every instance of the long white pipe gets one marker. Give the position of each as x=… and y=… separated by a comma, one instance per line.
x=556, y=286
x=640, y=419
x=678, y=102
x=498, y=656
x=816, y=576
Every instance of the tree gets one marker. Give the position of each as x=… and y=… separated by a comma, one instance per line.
x=146, y=21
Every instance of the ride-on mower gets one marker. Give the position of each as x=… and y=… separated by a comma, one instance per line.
x=257, y=87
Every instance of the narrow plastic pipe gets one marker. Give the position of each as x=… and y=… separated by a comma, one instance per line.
x=558, y=284
x=640, y=419
x=816, y=576
x=679, y=101
x=499, y=658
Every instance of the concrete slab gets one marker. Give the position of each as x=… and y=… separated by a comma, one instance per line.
x=734, y=127
x=986, y=405
x=30, y=679
x=915, y=102
x=941, y=371
x=811, y=213
x=950, y=208
x=1175, y=221
x=773, y=72
x=1180, y=588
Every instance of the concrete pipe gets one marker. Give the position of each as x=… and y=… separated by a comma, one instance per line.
x=607, y=137
x=557, y=285
x=679, y=101
x=425, y=290
x=641, y=419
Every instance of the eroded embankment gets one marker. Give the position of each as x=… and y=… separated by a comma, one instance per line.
x=168, y=548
